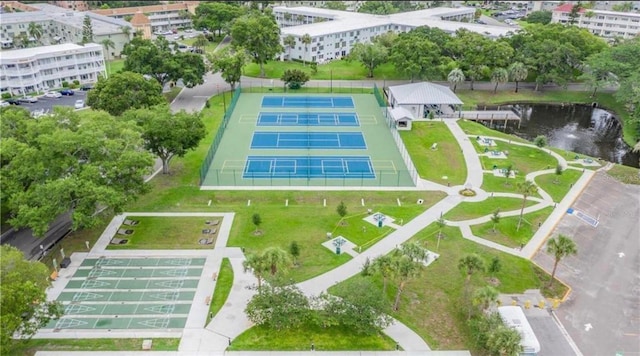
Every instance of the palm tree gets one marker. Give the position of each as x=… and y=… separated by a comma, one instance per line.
x=126, y=30
x=504, y=341
x=415, y=252
x=289, y=42
x=560, y=247
x=107, y=43
x=201, y=41
x=306, y=40
x=485, y=297
x=383, y=266
x=526, y=188
x=441, y=222
x=277, y=259
x=495, y=218
x=499, y=76
x=507, y=173
x=258, y=266
x=517, y=72
x=468, y=265
x=405, y=269
x=455, y=77
x=35, y=31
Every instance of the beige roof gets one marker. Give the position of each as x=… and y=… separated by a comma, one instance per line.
x=143, y=9
x=139, y=19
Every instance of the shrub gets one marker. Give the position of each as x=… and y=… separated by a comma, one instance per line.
x=76, y=82
x=65, y=84
x=540, y=141
x=295, y=78
x=6, y=95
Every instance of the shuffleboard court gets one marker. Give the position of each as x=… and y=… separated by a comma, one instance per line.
x=126, y=296
x=131, y=284
x=308, y=140
x=117, y=323
x=127, y=309
x=308, y=167
x=157, y=272
x=141, y=262
x=307, y=119
x=307, y=101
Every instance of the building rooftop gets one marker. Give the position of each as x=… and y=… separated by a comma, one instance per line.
x=424, y=93
x=140, y=19
x=36, y=51
x=343, y=21
x=144, y=9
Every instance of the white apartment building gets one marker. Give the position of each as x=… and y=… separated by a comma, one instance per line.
x=607, y=24
x=333, y=33
x=61, y=25
x=163, y=17
x=38, y=69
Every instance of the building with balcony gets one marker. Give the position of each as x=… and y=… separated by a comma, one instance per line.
x=333, y=33
x=42, y=68
x=59, y=25
x=607, y=24
x=164, y=17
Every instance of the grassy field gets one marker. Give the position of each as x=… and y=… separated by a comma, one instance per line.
x=338, y=69
x=506, y=233
x=172, y=94
x=209, y=48
x=625, y=174
x=474, y=128
x=223, y=288
x=469, y=210
x=165, y=233
x=491, y=183
x=114, y=66
x=32, y=346
x=432, y=303
x=558, y=186
x=446, y=161
x=324, y=339
x=343, y=88
x=524, y=160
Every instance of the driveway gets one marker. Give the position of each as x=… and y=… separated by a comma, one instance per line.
x=602, y=313
x=47, y=104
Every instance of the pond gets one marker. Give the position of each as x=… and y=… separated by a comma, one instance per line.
x=577, y=128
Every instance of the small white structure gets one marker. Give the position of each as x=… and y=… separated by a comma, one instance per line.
x=514, y=317
x=422, y=98
x=402, y=117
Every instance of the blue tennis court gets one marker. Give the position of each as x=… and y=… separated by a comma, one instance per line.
x=311, y=140
x=308, y=167
x=307, y=119
x=279, y=101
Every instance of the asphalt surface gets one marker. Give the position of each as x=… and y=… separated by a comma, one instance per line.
x=602, y=313
x=47, y=104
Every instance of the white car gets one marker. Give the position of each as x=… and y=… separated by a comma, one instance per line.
x=52, y=94
x=4, y=104
x=79, y=104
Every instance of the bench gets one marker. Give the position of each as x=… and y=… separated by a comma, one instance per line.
x=207, y=300
x=214, y=276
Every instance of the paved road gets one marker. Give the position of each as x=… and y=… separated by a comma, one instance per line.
x=602, y=314
x=47, y=104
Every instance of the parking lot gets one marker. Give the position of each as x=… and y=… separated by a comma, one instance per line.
x=602, y=313
x=47, y=104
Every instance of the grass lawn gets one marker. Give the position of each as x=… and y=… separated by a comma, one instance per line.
x=75, y=241
x=223, y=288
x=506, y=233
x=338, y=70
x=558, y=186
x=432, y=304
x=172, y=94
x=165, y=233
x=469, y=210
x=625, y=174
x=209, y=48
x=432, y=165
x=115, y=66
x=358, y=88
x=325, y=339
x=474, y=128
x=523, y=159
x=32, y=346
x=491, y=183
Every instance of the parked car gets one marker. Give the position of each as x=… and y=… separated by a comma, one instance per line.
x=86, y=87
x=13, y=101
x=67, y=92
x=79, y=104
x=52, y=94
x=4, y=104
x=28, y=99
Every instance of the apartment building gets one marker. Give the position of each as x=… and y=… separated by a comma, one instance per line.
x=333, y=33
x=607, y=24
x=161, y=18
x=58, y=26
x=75, y=5
x=42, y=68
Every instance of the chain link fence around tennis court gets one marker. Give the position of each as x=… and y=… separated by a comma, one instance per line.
x=319, y=88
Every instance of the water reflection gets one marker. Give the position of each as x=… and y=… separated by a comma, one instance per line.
x=578, y=128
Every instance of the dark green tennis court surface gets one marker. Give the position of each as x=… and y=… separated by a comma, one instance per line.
x=130, y=293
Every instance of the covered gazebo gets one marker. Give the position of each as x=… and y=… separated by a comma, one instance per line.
x=422, y=98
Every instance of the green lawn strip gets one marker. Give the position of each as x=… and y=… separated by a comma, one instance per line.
x=360, y=232
x=570, y=155
x=432, y=165
x=469, y=210
x=605, y=100
x=432, y=304
x=558, y=186
x=523, y=159
x=172, y=94
x=210, y=46
x=223, y=288
x=625, y=174
x=337, y=69
x=493, y=184
x=474, y=128
x=30, y=347
x=506, y=233
x=114, y=66
x=300, y=339
x=165, y=233
x=359, y=88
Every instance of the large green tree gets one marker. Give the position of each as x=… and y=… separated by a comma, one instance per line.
x=377, y=7
x=370, y=55
x=23, y=300
x=216, y=16
x=87, y=30
x=335, y=5
x=229, y=62
x=69, y=161
x=168, y=134
x=472, y=52
x=123, y=91
x=416, y=56
x=259, y=35
x=541, y=17
x=279, y=307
